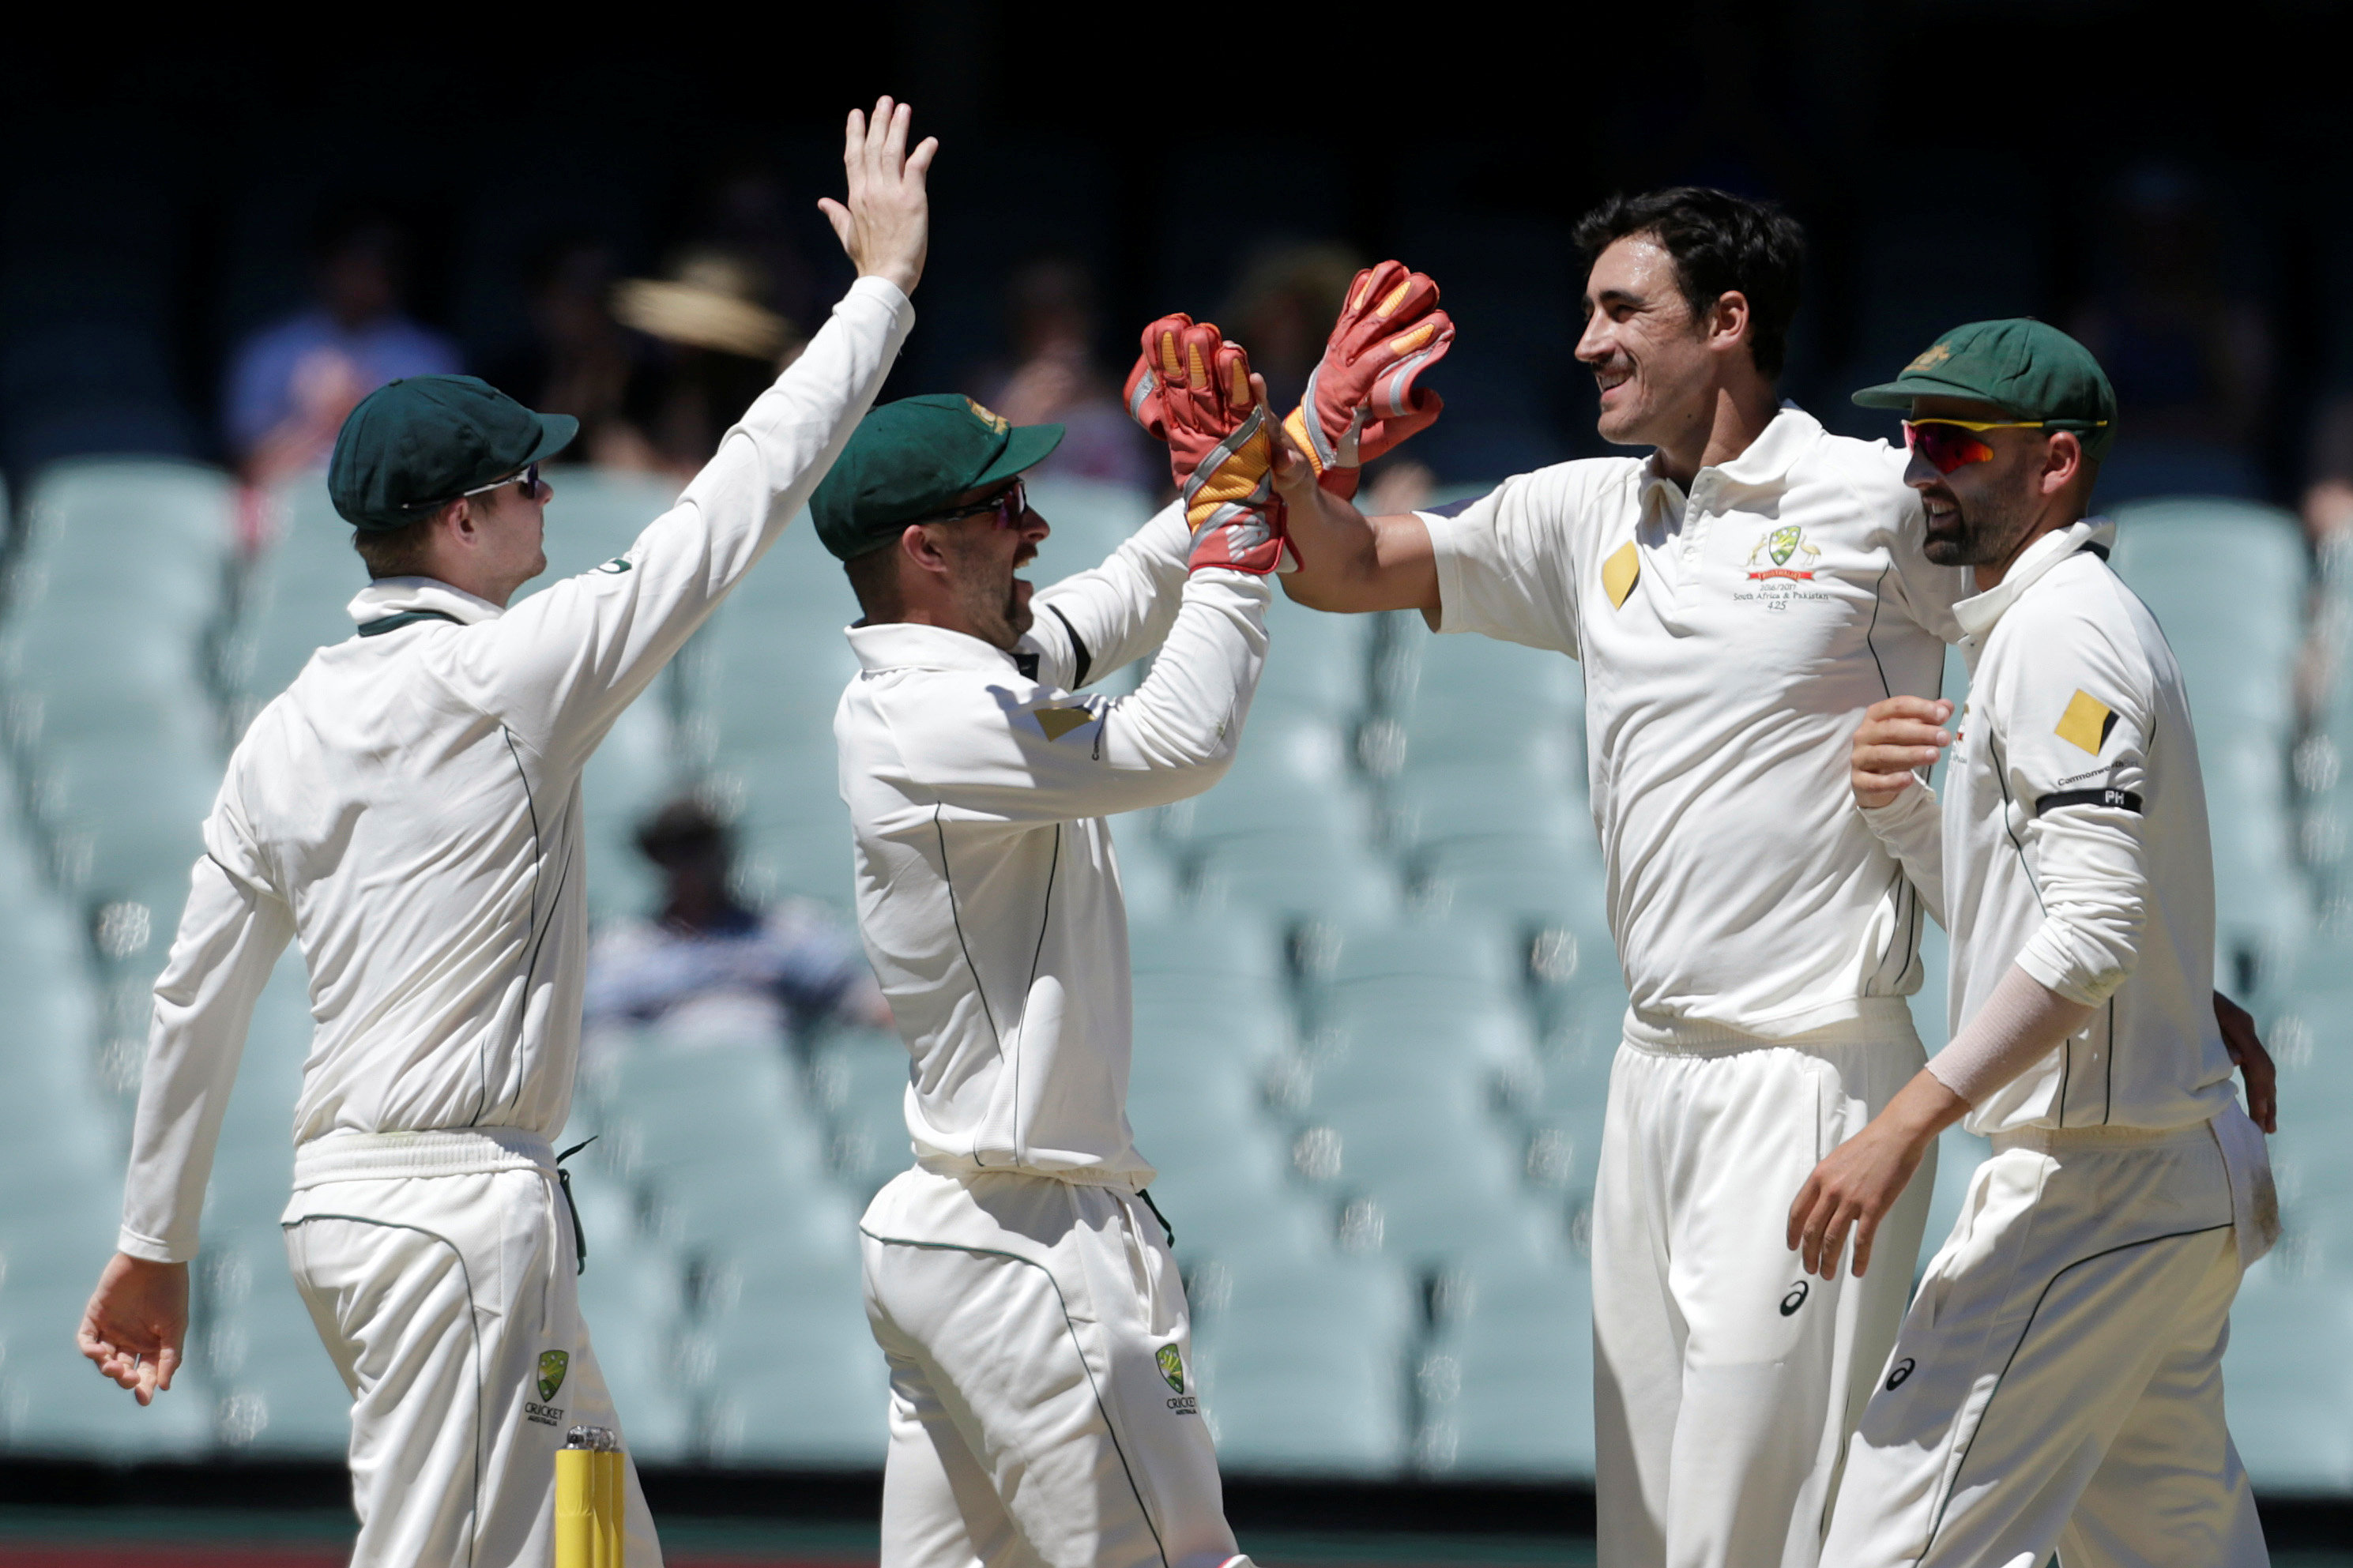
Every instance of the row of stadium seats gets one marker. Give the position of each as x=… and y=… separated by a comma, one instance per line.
x=1376, y=1005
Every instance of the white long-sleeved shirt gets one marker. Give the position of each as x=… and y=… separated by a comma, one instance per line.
x=2073, y=843
x=1730, y=638
x=409, y=811
x=989, y=891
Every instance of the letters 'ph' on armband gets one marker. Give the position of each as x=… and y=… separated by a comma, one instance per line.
x=2122, y=799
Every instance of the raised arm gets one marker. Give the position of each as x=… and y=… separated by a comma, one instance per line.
x=1348, y=562
x=560, y=667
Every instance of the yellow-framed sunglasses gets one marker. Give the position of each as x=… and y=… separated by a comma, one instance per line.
x=1939, y=441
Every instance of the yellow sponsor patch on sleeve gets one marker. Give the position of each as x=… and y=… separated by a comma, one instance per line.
x=1618, y=573
x=2087, y=723
x=1060, y=722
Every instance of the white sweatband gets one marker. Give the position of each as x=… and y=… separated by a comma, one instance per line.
x=2018, y=1025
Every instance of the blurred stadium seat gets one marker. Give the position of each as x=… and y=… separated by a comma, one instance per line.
x=1506, y=1386
x=1301, y=1362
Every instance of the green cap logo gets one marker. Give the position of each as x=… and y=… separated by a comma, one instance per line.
x=1172, y=1367
x=1929, y=361
x=552, y=1365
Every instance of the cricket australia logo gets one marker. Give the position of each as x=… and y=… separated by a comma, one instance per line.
x=1777, y=547
x=552, y=1365
x=1172, y=1368
x=1782, y=558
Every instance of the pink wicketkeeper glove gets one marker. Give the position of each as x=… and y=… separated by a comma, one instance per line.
x=1360, y=400
x=1192, y=389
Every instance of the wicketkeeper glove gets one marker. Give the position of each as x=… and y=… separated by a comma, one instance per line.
x=1192, y=389
x=1360, y=400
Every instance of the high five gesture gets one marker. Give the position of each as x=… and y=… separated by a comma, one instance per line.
x=886, y=225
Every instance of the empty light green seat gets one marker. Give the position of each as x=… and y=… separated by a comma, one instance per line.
x=1300, y=1364
x=1507, y=1387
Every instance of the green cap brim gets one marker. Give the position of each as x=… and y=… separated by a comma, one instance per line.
x=1899, y=393
x=1025, y=447
x=556, y=433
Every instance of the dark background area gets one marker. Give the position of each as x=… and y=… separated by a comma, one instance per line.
x=1950, y=162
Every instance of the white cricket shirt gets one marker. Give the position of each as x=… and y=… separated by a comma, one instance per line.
x=409, y=811
x=2074, y=843
x=988, y=889
x=1731, y=639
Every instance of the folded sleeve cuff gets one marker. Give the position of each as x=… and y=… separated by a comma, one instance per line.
x=146, y=1248
x=2046, y=957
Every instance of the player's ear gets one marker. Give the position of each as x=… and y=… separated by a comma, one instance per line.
x=1728, y=320
x=917, y=547
x=2064, y=462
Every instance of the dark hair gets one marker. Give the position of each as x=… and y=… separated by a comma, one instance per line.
x=396, y=551
x=684, y=828
x=874, y=578
x=1722, y=244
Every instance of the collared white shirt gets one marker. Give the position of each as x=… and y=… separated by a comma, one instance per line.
x=2073, y=843
x=409, y=811
x=988, y=887
x=1731, y=639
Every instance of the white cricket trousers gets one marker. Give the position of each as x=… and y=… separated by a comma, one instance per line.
x=2058, y=1381
x=1043, y=1408
x=450, y=1304
x=1725, y=1381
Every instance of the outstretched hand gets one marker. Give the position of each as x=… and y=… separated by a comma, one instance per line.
x=1898, y=735
x=885, y=226
x=1860, y=1181
x=136, y=1324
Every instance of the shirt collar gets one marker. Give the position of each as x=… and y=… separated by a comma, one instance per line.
x=1979, y=613
x=400, y=595
x=1766, y=462
x=905, y=644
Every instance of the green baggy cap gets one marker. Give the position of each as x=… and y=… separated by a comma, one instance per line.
x=424, y=439
x=2026, y=368
x=910, y=459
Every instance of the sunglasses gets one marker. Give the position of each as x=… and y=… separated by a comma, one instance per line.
x=1949, y=444
x=1009, y=505
x=527, y=481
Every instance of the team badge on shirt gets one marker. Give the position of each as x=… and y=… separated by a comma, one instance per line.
x=1618, y=573
x=2087, y=723
x=1172, y=1366
x=1777, y=547
x=552, y=1365
x=1058, y=722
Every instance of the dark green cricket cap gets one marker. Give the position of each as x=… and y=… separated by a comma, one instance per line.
x=2026, y=368
x=424, y=439
x=910, y=459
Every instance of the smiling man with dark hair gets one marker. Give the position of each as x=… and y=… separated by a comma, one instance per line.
x=1738, y=597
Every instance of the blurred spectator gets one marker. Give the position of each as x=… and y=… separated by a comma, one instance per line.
x=2328, y=492
x=1051, y=306
x=707, y=967
x=749, y=212
x=290, y=385
x=1283, y=311
x=2189, y=352
x=580, y=360
x=721, y=346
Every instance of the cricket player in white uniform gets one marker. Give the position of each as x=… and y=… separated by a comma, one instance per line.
x=1043, y=1408
x=1737, y=599
x=2057, y=1384
x=409, y=812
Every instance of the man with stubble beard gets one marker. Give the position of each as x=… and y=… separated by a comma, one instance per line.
x=2057, y=1383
